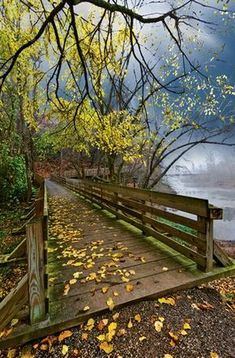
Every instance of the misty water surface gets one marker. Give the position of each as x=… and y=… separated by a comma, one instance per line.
x=218, y=193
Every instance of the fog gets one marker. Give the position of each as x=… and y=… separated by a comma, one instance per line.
x=209, y=173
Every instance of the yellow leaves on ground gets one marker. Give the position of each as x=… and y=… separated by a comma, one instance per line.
x=104, y=289
x=66, y=289
x=106, y=347
x=110, y=303
x=158, y=326
x=90, y=324
x=77, y=274
x=64, y=334
x=107, y=338
x=137, y=317
x=214, y=355
x=130, y=324
x=168, y=356
x=186, y=326
x=103, y=323
x=65, y=349
x=72, y=281
x=86, y=308
x=167, y=301
x=142, y=338
x=129, y=287
x=116, y=316
x=14, y=322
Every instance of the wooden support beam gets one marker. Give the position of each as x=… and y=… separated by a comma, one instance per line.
x=36, y=269
x=13, y=302
x=221, y=256
x=19, y=251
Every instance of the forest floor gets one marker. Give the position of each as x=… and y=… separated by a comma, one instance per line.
x=197, y=322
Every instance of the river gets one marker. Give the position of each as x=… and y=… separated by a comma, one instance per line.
x=219, y=194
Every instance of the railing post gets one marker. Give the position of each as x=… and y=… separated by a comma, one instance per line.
x=209, y=244
x=36, y=270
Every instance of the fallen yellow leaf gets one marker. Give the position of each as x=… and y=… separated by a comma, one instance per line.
x=107, y=347
x=137, y=317
x=64, y=334
x=105, y=289
x=214, y=355
x=158, y=326
x=90, y=324
x=101, y=337
x=14, y=322
x=168, y=356
x=187, y=326
x=72, y=281
x=130, y=325
x=77, y=274
x=115, y=316
x=183, y=332
x=173, y=336
x=11, y=353
x=129, y=288
x=102, y=324
x=84, y=336
x=168, y=301
x=121, y=332
x=110, y=303
x=125, y=279
x=86, y=308
x=66, y=289
x=65, y=349
x=142, y=338
x=112, y=326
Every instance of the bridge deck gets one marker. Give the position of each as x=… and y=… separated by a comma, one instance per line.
x=96, y=262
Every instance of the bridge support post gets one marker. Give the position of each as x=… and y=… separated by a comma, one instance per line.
x=36, y=271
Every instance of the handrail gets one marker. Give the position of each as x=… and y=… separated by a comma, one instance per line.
x=149, y=211
x=37, y=234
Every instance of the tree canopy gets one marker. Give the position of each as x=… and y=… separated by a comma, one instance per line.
x=126, y=79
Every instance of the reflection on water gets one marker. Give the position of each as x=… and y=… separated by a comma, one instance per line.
x=218, y=195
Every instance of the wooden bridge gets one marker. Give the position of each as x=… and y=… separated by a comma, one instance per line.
x=90, y=261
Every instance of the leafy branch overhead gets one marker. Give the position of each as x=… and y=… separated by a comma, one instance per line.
x=60, y=17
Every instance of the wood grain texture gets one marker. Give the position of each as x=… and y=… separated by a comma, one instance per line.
x=13, y=302
x=36, y=271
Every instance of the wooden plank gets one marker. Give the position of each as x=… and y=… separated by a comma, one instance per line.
x=193, y=255
x=13, y=302
x=192, y=239
x=165, y=214
x=141, y=269
x=19, y=251
x=26, y=333
x=209, y=245
x=221, y=256
x=35, y=246
x=188, y=204
x=162, y=227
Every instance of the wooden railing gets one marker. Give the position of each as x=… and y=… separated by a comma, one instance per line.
x=159, y=215
x=31, y=289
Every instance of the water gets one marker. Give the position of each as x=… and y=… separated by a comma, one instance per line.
x=219, y=194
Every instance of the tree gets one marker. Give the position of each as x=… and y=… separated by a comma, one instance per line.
x=20, y=96
x=80, y=52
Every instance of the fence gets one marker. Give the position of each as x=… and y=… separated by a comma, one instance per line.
x=31, y=289
x=160, y=215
